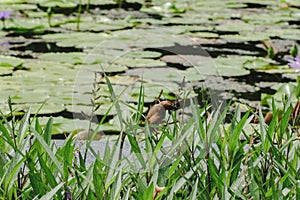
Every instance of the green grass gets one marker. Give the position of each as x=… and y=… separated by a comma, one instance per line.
x=204, y=158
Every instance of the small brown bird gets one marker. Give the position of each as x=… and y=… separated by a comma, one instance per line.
x=157, y=112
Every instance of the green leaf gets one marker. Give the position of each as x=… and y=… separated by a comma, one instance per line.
x=48, y=131
x=35, y=178
x=50, y=194
x=195, y=190
x=48, y=173
x=148, y=194
x=49, y=151
x=174, y=166
x=23, y=128
x=10, y=61
x=234, y=138
x=115, y=100
x=136, y=149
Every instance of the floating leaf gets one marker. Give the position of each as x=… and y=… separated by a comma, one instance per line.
x=77, y=39
x=140, y=62
x=10, y=61
x=121, y=80
x=259, y=63
x=185, y=60
x=72, y=58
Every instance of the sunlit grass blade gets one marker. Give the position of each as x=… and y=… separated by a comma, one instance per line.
x=194, y=191
x=284, y=124
x=140, y=105
x=23, y=127
x=48, y=131
x=116, y=187
x=48, y=173
x=50, y=194
x=115, y=100
x=148, y=194
x=136, y=149
x=49, y=151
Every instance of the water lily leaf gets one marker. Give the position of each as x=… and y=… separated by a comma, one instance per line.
x=35, y=107
x=146, y=21
x=102, y=89
x=165, y=8
x=24, y=24
x=103, y=55
x=36, y=96
x=284, y=90
x=192, y=29
x=121, y=80
x=293, y=2
x=72, y=58
x=108, y=68
x=185, y=60
x=143, y=54
x=224, y=66
x=259, y=63
x=292, y=76
x=246, y=36
x=186, y=20
x=145, y=38
x=270, y=18
x=47, y=108
x=61, y=4
x=140, y=62
x=77, y=39
x=62, y=125
x=235, y=26
x=48, y=73
x=159, y=74
x=10, y=61
x=94, y=26
x=152, y=90
x=204, y=35
x=5, y=93
x=127, y=109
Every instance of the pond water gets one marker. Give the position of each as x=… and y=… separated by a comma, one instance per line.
x=55, y=54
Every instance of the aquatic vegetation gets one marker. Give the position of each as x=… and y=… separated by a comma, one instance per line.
x=295, y=64
x=96, y=67
x=4, y=15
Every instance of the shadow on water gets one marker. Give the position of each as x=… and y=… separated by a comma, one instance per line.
x=45, y=47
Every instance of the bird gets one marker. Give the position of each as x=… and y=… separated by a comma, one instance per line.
x=157, y=113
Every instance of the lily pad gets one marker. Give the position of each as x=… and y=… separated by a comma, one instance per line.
x=61, y=4
x=140, y=62
x=204, y=35
x=159, y=74
x=224, y=66
x=77, y=39
x=10, y=61
x=109, y=68
x=23, y=25
x=185, y=60
x=246, y=36
x=94, y=26
x=121, y=80
x=72, y=58
x=145, y=38
x=259, y=63
x=143, y=54
x=284, y=91
x=62, y=125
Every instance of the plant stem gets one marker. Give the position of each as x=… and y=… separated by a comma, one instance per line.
x=88, y=5
x=79, y=13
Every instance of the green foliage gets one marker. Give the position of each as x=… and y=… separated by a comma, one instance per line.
x=294, y=51
x=205, y=158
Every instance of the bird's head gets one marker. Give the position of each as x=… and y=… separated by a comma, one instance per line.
x=169, y=105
